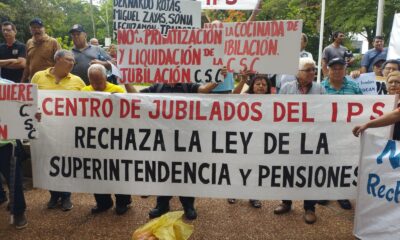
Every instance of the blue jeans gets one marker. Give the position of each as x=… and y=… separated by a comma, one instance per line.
x=5, y=160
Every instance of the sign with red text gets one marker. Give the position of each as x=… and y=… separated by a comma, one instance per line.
x=18, y=105
x=229, y=4
x=377, y=214
x=265, y=47
x=225, y=146
x=156, y=14
x=184, y=55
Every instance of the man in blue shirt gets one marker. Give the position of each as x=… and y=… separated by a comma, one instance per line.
x=378, y=52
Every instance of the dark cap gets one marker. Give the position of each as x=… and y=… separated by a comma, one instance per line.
x=378, y=60
x=336, y=61
x=77, y=28
x=37, y=21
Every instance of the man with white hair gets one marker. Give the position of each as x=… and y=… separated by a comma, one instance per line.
x=304, y=84
x=98, y=82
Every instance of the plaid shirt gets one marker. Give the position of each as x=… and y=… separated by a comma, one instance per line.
x=349, y=87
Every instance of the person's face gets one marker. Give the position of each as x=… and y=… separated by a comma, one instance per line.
x=378, y=44
x=94, y=42
x=8, y=32
x=79, y=39
x=340, y=38
x=378, y=69
x=306, y=74
x=112, y=50
x=390, y=67
x=97, y=80
x=65, y=63
x=393, y=85
x=260, y=86
x=337, y=72
x=37, y=31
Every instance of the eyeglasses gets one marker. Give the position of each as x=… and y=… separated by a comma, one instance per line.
x=309, y=70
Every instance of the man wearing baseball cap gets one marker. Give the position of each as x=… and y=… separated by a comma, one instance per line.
x=86, y=54
x=40, y=50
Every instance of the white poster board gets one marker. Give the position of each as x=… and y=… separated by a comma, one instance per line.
x=378, y=207
x=367, y=83
x=223, y=146
x=155, y=14
x=18, y=105
x=229, y=4
x=394, y=44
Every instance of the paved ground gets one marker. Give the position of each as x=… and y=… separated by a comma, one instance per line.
x=217, y=220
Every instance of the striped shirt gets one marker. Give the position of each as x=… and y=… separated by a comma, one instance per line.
x=349, y=87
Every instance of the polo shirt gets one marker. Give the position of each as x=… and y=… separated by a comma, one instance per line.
x=111, y=88
x=47, y=81
x=293, y=88
x=370, y=56
x=83, y=59
x=40, y=55
x=349, y=87
x=16, y=50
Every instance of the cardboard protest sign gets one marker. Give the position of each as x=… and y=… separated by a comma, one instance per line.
x=156, y=14
x=367, y=83
x=394, y=44
x=377, y=209
x=263, y=47
x=18, y=105
x=225, y=146
x=184, y=55
x=229, y=4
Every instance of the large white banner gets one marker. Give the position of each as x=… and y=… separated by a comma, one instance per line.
x=156, y=14
x=378, y=206
x=394, y=44
x=263, y=47
x=184, y=55
x=229, y=4
x=18, y=105
x=225, y=146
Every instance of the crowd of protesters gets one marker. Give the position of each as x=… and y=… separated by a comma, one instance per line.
x=42, y=61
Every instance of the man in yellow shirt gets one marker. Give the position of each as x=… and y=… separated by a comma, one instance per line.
x=59, y=77
x=98, y=82
x=97, y=74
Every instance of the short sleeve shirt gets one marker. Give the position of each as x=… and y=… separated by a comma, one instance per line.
x=46, y=81
x=15, y=51
x=349, y=87
x=83, y=59
x=331, y=52
x=370, y=56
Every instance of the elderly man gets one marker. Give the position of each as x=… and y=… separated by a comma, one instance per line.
x=98, y=82
x=338, y=84
x=336, y=50
x=94, y=42
x=378, y=52
x=40, y=50
x=86, y=54
x=303, y=85
x=59, y=78
x=12, y=54
x=162, y=206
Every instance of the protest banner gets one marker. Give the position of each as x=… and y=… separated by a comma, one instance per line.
x=270, y=47
x=394, y=43
x=224, y=146
x=184, y=55
x=18, y=105
x=156, y=14
x=229, y=4
x=377, y=214
x=367, y=83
